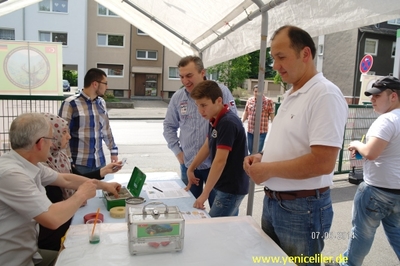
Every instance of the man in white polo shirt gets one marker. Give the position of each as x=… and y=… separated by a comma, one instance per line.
x=301, y=149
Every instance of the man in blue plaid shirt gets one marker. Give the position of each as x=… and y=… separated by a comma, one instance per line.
x=89, y=125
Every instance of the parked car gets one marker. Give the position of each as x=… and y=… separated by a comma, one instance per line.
x=66, y=86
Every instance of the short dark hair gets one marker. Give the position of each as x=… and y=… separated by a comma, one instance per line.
x=93, y=74
x=299, y=38
x=195, y=59
x=206, y=89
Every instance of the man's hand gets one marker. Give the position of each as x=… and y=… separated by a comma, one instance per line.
x=114, y=158
x=87, y=190
x=180, y=157
x=192, y=178
x=199, y=203
x=250, y=160
x=112, y=188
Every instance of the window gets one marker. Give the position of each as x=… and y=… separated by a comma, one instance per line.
x=112, y=70
x=394, y=21
x=46, y=36
x=7, y=34
x=110, y=40
x=173, y=73
x=140, y=32
x=147, y=55
x=103, y=11
x=118, y=93
x=60, y=6
x=393, y=49
x=371, y=47
x=321, y=49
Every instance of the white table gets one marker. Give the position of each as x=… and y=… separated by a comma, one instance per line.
x=214, y=241
x=184, y=204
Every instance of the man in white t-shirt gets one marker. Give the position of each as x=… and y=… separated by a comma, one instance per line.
x=378, y=198
x=301, y=149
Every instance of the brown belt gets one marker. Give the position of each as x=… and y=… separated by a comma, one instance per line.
x=291, y=195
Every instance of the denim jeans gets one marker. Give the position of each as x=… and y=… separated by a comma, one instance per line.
x=197, y=190
x=250, y=137
x=225, y=204
x=84, y=169
x=298, y=226
x=371, y=206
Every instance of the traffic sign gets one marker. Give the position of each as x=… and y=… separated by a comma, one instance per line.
x=366, y=63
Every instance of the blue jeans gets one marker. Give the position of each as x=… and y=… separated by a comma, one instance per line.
x=298, y=226
x=371, y=206
x=225, y=204
x=84, y=169
x=197, y=190
x=250, y=137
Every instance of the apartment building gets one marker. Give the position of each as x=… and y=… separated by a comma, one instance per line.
x=93, y=36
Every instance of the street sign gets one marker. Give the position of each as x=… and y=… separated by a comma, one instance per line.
x=366, y=63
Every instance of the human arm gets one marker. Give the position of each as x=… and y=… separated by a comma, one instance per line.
x=216, y=169
x=60, y=212
x=245, y=115
x=100, y=173
x=106, y=131
x=200, y=157
x=319, y=161
x=171, y=126
x=74, y=181
x=370, y=150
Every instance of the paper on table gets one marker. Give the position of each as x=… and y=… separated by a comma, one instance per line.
x=170, y=190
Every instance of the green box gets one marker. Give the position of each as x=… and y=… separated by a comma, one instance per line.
x=133, y=189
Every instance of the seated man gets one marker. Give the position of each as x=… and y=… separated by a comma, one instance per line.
x=23, y=200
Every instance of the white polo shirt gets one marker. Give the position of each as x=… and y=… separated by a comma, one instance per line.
x=315, y=114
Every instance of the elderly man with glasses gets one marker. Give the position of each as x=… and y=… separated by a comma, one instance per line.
x=23, y=200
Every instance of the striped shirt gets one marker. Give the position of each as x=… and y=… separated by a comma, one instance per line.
x=89, y=125
x=182, y=114
x=267, y=108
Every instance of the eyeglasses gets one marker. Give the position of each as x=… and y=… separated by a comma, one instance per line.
x=53, y=139
x=105, y=83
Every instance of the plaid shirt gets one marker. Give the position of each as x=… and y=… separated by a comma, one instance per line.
x=267, y=108
x=89, y=125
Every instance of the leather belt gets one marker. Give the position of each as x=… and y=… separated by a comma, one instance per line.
x=390, y=190
x=291, y=195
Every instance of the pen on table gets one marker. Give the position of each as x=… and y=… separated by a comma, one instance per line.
x=157, y=189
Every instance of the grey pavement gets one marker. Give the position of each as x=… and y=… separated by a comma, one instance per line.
x=342, y=195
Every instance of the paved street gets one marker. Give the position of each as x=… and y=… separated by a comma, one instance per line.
x=142, y=143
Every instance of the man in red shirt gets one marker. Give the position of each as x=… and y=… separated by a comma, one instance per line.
x=250, y=113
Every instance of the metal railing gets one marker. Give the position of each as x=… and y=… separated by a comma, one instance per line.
x=13, y=105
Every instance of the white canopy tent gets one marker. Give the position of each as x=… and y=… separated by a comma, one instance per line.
x=219, y=30
x=222, y=30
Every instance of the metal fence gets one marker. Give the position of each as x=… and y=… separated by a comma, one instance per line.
x=13, y=105
x=359, y=120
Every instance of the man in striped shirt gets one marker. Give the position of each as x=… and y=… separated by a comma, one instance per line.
x=182, y=114
x=89, y=125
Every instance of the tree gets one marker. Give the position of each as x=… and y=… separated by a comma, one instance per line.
x=233, y=72
x=255, y=61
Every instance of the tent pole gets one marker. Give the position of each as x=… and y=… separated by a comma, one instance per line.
x=396, y=66
x=259, y=99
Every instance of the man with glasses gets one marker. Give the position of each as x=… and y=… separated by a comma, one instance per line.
x=23, y=200
x=378, y=198
x=89, y=125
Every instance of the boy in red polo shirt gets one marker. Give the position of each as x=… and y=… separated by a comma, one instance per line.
x=226, y=144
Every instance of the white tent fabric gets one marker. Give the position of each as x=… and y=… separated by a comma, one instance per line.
x=12, y=5
x=195, y=24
